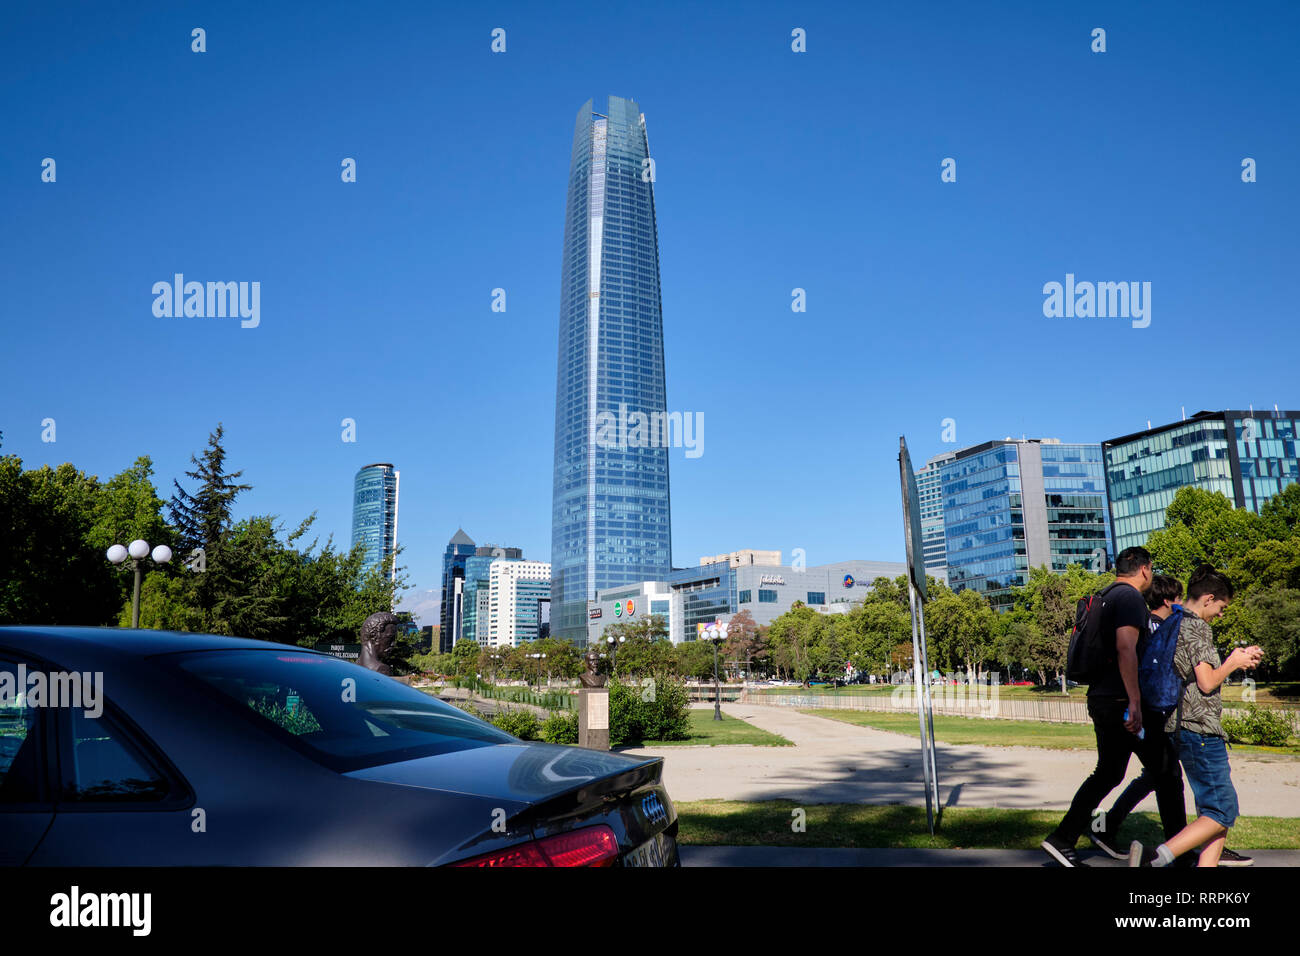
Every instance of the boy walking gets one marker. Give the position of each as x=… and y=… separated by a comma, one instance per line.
x=1202, y=745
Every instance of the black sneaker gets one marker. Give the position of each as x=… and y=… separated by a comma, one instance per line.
x=1102, y=841
x=1229, y=858
x=1062, y=854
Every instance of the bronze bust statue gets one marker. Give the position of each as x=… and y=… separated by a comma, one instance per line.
x=590, y=678
x=378, y=632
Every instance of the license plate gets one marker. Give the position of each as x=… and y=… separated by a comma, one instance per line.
x=653, y=852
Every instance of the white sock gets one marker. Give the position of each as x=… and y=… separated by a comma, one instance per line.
x=1163, y=856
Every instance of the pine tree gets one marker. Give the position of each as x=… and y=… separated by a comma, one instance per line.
x=203, y=518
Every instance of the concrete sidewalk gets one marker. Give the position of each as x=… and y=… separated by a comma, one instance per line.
x=836, y=762
x=810, y=856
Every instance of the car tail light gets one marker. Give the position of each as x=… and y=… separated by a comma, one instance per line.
x=591, y=846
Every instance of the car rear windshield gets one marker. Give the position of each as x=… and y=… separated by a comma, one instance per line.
x=340, y=715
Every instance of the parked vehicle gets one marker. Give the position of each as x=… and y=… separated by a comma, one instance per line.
x=194, y=749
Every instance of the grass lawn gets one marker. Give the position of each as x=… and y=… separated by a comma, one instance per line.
x=768, y=823
x=730, y=730
x=1000, y=733
x=1285, y=694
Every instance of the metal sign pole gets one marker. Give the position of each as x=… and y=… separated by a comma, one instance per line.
x=929, y=711
x=917, y=592
x=921, y=684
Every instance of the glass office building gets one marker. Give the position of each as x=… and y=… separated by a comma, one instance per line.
x=459, y=550
x=1248, y=456
x=477, y=577
x=610, y=505
x=374, y=514
x=1014, y=505
x=929, y=492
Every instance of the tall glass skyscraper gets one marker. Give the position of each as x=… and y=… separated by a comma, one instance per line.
x=374, y=513
x=460, y=549
x=610, y=522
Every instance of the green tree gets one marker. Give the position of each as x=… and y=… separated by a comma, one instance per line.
x=204, y=520
x=50, y=572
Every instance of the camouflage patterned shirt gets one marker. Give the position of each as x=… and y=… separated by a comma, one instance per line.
x=1201, y=712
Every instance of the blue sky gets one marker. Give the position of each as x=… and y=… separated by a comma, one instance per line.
x=774, y=170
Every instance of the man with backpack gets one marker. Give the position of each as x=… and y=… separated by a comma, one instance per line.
x=1159, y=687
x=1103, y=654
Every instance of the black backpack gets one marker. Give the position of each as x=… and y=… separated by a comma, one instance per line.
x=1089, y=655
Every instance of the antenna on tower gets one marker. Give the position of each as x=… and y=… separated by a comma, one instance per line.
x=1184, y=408
x=1148, y=424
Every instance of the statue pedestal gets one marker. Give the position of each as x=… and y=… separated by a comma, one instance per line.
x=593, y=718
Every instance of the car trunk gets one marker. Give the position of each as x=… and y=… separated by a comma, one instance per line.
x=541, y=790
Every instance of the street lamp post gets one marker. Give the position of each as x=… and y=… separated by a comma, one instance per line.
x=717, y=688
x=613, y=651
x=138, y=550
x=539, y=658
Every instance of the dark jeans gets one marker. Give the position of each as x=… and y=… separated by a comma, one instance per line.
x=1161, y=774
x=1114, y=747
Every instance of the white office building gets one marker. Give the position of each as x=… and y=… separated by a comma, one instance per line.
x=519, y=597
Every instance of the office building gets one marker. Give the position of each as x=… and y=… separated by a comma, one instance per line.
x=1248, y=456
x=1012, y=505
x=690, y=598
x=929, y=494
x=477, y=579
x=374, y=514
x=459, y=549
x=737, y=558
x=610, y=505
x=519, y=595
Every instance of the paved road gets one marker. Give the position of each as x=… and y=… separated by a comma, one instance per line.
x=808, y=856
x=835, y=762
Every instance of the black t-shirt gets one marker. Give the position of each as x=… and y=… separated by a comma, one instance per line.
x=1125, y=607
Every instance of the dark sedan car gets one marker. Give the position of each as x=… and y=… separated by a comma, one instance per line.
x=189, y=749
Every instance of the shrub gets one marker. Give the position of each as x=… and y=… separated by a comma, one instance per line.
x=633, y=719
x=517, y=723
x=1257, y=725
x=560, y=728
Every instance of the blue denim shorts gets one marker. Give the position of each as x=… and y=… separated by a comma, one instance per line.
x=1205, y=763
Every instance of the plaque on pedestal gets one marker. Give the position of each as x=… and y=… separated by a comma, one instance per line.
x=593, y=718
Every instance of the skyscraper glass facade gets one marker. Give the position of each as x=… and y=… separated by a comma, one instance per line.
x=611, y=512
x=983, y=520
x=374, y=513
x=1010, y=506
x=929, y=492
x=459, y=550
x=1267, y=454
x=1074, y=495
x=1247, y=456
